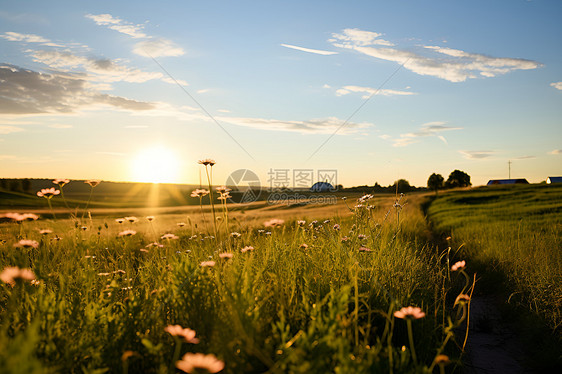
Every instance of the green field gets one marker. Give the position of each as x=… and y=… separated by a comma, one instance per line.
x=515, y=231
x=306, y=299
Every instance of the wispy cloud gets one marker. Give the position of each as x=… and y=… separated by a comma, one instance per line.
x=476, y=155
x=105, y=70
x=524, y=158
x=309, y=50
x=450, y=64
x=314, y=126
x=427, y=129
x=556, y=152
x=28, y=38
x=158, y=48
x=117, y=24
x=371, y=91
x=557, y=85
x=4, y=129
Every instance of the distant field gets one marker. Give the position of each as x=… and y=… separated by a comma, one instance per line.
x=516, y=230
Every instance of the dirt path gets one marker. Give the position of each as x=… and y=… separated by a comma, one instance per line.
x=492, y=345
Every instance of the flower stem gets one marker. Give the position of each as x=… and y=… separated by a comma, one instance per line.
x=411, y=339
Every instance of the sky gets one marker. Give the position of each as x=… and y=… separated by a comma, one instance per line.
x=371, y=91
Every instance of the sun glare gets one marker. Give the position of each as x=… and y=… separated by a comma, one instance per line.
x=155, y=165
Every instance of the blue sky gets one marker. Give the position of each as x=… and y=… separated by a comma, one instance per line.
x=427, y=87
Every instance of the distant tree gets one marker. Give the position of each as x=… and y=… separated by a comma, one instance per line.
x=15, y=185
x=3, y=184
x=458, y=178
x=435, y=182
x=339, y=187
x=403, y=186
x=26, y=185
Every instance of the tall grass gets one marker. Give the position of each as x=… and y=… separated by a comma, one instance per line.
x=515, y=230
x=306, y=299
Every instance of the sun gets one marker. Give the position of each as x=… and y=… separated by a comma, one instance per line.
x=155, y=165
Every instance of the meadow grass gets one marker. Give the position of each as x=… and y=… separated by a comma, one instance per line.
x=514, y=231
x=313, y=297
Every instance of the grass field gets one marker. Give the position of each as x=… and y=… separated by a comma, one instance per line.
x=515, y=231
x=314, y=297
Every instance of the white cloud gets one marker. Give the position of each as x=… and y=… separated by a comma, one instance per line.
x=326, y=86
x=557, y=85
x=172, y=81
x=458, y=66
x=8, y=129
x=26, y=38
x=60, y=126
x=476, y=155
x=370, y=91
x=157, y=48
x=556, y=152
x=315, y=51
x=385, y=136
x=203, y=90
x=223, y=111
x=427, y=129
x=104, y=70
x=117, y=24
x=314, y=126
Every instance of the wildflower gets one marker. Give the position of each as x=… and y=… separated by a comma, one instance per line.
x=409, y=312
x=461, y=299
x=20, y=217
x=275, y=222
x=24, y=243
x=45, y=232
x=35, y=282
x=61, y=182
x=207, y=161
x=224, y=196
x=84, y=228
x=458, y=265
x=247, y=249
x=169, y=237
x=365, y=249
x=143, y=250
x=336, y=227
x=361, y=236
x=235, y=235
x=207, y=264
x=199, y=192
x=155, y=244
x=304, y=246
x=442, y=360
x=127, y=233
x=150, y=218
x=132, y=219
x=125, y=356
x=301, y=223
x=226, y=255
x=93, y=182
x=10, y=274
x=187, y=334
x=120, y=220
x=180, y=224
x=103, y=274
x=223, y=190
x=190, y=362
x=344, y=198
x=56, y=238
x=345, y=239
x=48, y=193
x=326, y=221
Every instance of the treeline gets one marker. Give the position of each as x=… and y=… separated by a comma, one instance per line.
x=16, y=185
x=402, y=184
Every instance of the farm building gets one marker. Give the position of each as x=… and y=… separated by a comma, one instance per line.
x=550, y=180
x=322, y=187
x=493, y=182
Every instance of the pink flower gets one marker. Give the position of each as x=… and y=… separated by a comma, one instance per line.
x=131, y=219
x=458, y=266
x=45, y=232
x=224, y=196
x=207, y=264
x=190, y=362
x=199, y=192
x=180, y=224
x=127, y=233
x=247, y=249
x=235, y=235
x=169, y=237
x=10, y=274
x=462, y=298
x=187, y=334
x=155, y=244
x=150, y=218
x=301, y=223
x=48, y=192
x=61, y=182
x=207, y=161
x=226, y=255
x=223, y=190
x=409, y=312
x=275, y=222
x=93, y=182
x=365, y=249
x=17, y=217
x=120, y=220
x=304, y=246
x=24, y=243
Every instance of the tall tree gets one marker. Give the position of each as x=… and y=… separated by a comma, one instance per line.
x=458, y=178
x=435, y=182
x=403, y=186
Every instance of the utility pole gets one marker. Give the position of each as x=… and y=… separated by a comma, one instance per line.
x=509, y=166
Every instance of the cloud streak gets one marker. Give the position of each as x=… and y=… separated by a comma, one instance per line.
x=309, y=50
x=368, y=91
x=557, y=85
x=450, y=64
x=426, y=130
x=477, y=155
x=117, y=24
